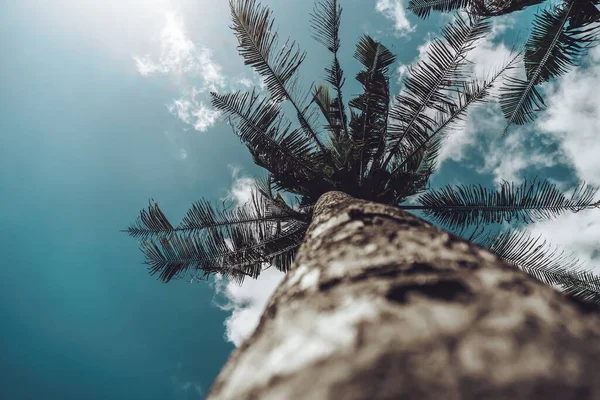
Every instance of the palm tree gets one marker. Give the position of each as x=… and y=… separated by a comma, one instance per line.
x=380, y=303
x=374, y=150
x=560, y=36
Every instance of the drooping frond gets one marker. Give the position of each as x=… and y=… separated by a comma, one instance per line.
x=471, y=93
x=492, y=8
x=554, y=47
x=483, y=8
x=260, y=213
x=325, y=24
x=548, y=264
x=422, y=8
x=284, y=151
x=260, y=48
x=236, y=252
x=369, y=128
x=328, y=107
x=428, y=86
x=458, y=206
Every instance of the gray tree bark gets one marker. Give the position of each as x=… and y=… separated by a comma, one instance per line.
x=382, y=305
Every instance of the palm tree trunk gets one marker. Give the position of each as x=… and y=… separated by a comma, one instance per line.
x=380, y=304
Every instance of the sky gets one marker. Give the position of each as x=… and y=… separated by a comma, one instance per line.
x=104, y=105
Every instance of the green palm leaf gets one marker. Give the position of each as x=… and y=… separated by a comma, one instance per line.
x=549, y=265
x=423, y=8
x=473, y=205
x=369, y=127
x=236, y=252
x=285, y=152
x=259, y=46
x=429, y=86
x=325, y=23
x=484, y=8
x=471, y=93
x=554, y=47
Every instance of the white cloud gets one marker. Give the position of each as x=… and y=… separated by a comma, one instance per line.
x=573, y=117
x=185, y=62
x=507, y=158
x=193, y=111
x=484, y=124
x=180, y=56
x=572, y=120
x=246, y=303
x=394, y=10
x=241, y=188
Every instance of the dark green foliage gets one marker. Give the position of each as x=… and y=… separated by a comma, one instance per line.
x=457, y=206
x=372, y=149
x=432, y=85
x=554, y=47
x=550, y=265
x=423, y=8
x=560, y=36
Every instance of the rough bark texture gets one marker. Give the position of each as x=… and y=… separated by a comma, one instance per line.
x=382, y=305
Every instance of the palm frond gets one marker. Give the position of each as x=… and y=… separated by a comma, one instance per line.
x=483, y=8
x=325, y=23
x=471, y=93
x=235, y=251
x=429, y=86
x=369, y=128
x=553, y=48
x=548, y=264
x=585, y=12
x=473, y=205
x=423, y=8
x=283, y=151
x=260, y=214
x=259, y=46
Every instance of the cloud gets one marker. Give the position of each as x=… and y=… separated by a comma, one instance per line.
x=241, y=188
x=246, y=303
x=183, y=154
x=394, y=10
x=577, y=233
x=193, y=111
x=572, y=120
x=179, y=56
x=506, y=158
x=185, y=63
x=573, y=117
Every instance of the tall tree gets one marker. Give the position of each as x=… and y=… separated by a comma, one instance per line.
x=383, y=305
x=379, y=303
x=374, y=150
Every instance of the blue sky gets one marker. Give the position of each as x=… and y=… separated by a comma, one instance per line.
x=104, y=105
